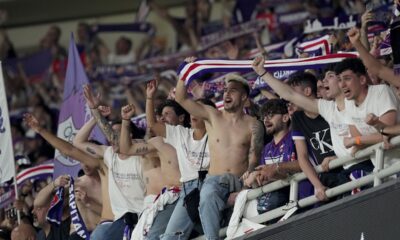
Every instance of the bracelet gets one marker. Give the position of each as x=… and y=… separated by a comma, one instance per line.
x=260, y=76
x=94, y=108
x=382, y=132
x=126, y=119
x=358, y=140
x=149, y=98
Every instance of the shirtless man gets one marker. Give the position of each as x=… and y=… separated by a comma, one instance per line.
x=235, y=142
x=125, y=173
x=92, y=200
x=174, y=115
x=150, y=167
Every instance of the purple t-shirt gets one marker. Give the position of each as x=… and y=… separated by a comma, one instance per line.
x=283, y=151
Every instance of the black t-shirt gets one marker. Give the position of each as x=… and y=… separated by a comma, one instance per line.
x=316, y=133
x=56, y=232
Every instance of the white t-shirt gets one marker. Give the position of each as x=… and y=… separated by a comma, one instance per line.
x=125, y=183
x=338, y=125
x=188, y=151
x=379, y=100
x=121, y=59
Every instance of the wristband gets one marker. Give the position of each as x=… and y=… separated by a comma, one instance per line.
x=260, y=76
x=382, y=132
x=358, y=140
x=126, y=119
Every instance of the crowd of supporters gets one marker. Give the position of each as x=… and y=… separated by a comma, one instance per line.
x=142, y=183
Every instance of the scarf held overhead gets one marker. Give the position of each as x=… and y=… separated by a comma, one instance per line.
x=189, y=71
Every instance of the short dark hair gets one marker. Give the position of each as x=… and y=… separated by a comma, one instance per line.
x=353, y=64
x=178, y=109
x=304, y=79
x=136, y=133
x=330, y=68
x=127, y=41
x=277, y=106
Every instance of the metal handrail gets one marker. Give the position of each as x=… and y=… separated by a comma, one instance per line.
x=362, y=155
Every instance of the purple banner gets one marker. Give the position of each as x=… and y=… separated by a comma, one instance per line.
x=74, y=111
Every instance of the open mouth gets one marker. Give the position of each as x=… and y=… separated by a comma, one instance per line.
x=228, y=100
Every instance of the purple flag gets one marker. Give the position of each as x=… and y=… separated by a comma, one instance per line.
x=143, y=11
x=74, y=111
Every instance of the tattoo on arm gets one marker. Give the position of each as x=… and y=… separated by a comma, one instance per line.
x=141, y=150
x=91, y=151
x=256, y=145
x=105, y=127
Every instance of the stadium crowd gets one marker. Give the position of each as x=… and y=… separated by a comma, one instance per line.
x=144, y=182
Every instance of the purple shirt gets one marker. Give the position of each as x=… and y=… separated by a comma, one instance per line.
x=283, y=151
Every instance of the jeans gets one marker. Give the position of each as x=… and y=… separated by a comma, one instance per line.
x=116, y=230
x=99, y=233
x=161, y=221
x=180, y=225
x=213, y=197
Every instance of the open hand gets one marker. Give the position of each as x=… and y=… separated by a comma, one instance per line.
x=92, y=101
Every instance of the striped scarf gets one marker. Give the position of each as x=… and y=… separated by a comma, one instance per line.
x=189, y=71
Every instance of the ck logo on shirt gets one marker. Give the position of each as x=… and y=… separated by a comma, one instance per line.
x=319, y=141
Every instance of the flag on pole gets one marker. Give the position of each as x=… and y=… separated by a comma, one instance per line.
x=143, y=11
x=74, y=111
x=7, y=165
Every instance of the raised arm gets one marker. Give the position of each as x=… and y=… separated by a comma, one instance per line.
x=93, y=103
x=282, y=89
x=127, y=145
x=158, y=128
x=63, y=146
x=194, y=108
x=81, y=140
x=371, y=63
x=367, y=17
x=43, y=198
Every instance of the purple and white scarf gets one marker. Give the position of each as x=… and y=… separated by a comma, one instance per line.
x=315, y=47
x=189, y=71
x=55, y=212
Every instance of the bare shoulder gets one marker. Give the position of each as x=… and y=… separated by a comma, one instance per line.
x=213, y=113
x=252, y=122
x=156, y=142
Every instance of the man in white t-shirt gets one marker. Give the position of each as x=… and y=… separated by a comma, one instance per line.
x=174, y=115
x=123, y=52
x=363, y=99
x=191, y=146
x=334, y=112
